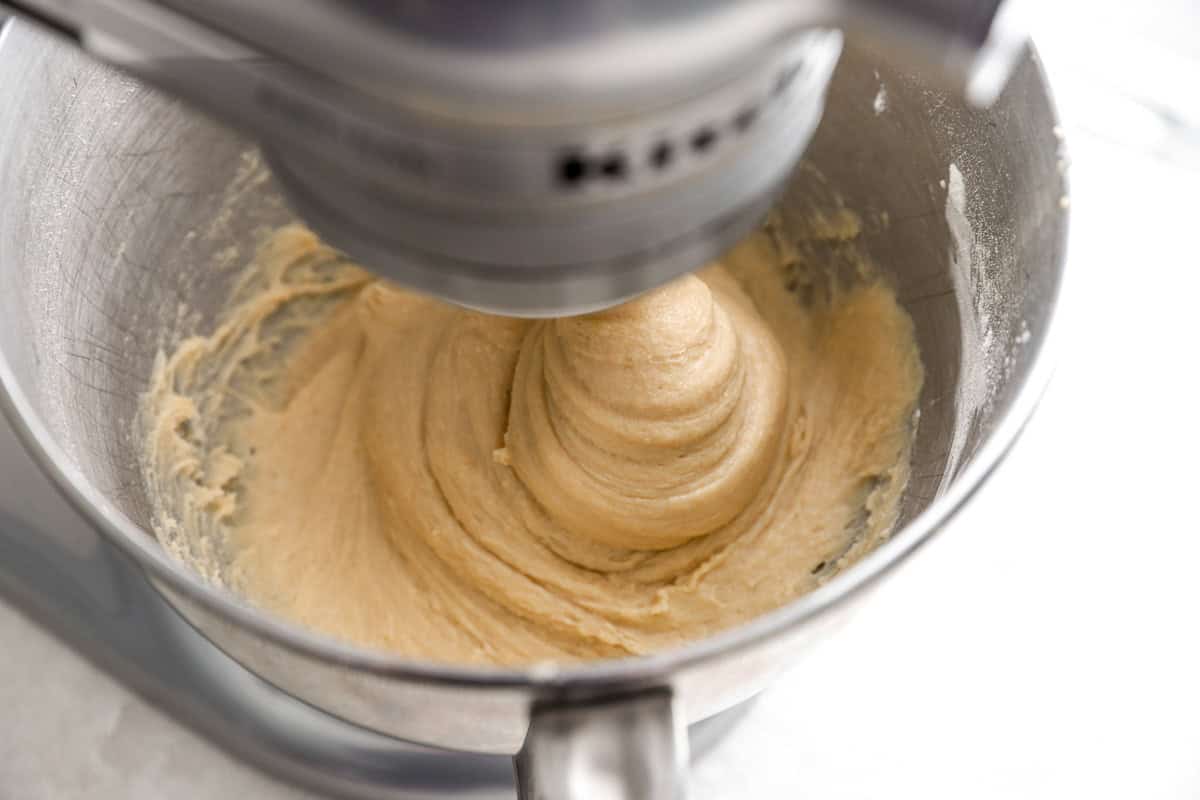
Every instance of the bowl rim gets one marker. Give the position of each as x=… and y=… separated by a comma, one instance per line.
x=142, y=546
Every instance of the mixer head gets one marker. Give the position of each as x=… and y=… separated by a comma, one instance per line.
x=530, y=157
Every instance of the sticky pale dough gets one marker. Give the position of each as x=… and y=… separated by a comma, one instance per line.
x=460, y=487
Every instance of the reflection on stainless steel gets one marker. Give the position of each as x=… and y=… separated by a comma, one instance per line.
x=629, y=747
x=136, y=215
x=548, y=158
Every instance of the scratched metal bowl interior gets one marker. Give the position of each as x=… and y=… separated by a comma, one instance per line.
x=131, y=207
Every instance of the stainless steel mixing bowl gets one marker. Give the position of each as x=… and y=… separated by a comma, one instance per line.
x=124, y=219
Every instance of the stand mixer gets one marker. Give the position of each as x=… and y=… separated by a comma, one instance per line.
x=534, y=158
x=546, y=160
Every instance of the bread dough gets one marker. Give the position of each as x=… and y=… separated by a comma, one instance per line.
x=450, y=485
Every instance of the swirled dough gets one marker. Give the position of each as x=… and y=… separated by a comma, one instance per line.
x=462, y=487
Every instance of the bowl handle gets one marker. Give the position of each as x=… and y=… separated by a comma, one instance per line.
x=631, y=747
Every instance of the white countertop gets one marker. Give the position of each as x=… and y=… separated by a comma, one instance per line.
x=1046, y=645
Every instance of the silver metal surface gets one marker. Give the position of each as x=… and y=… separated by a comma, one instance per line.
x=135, y=216
x=623, y=748
x=551, y=158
